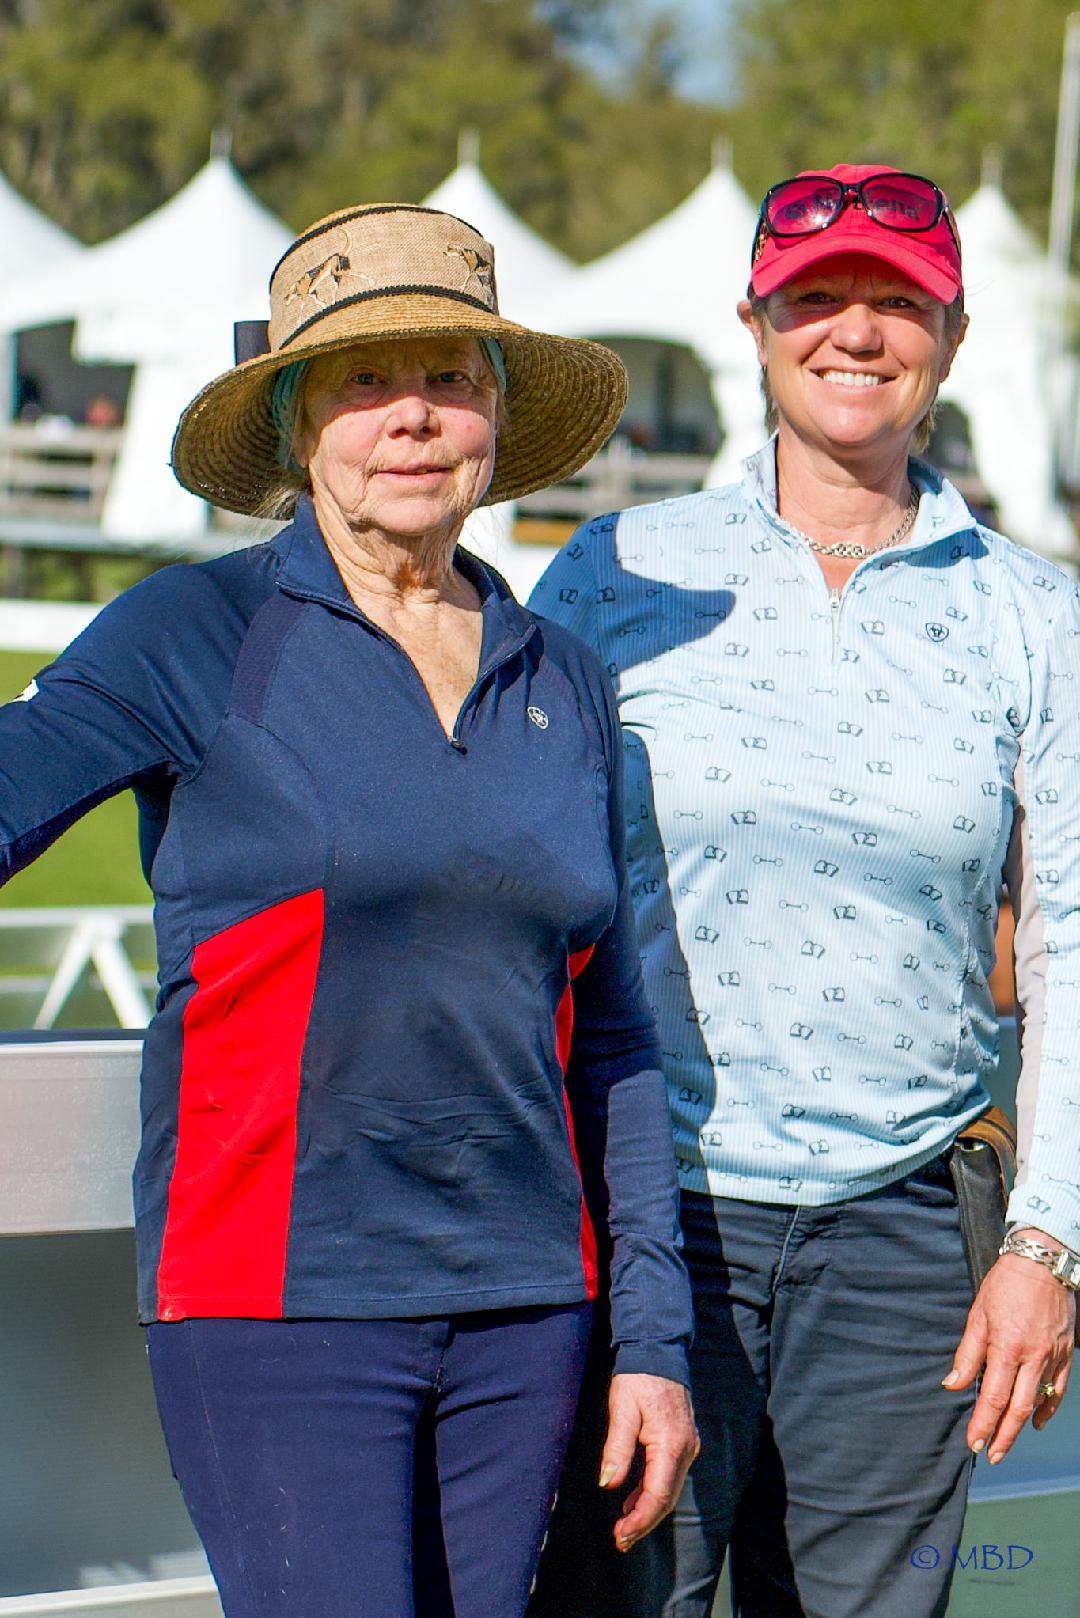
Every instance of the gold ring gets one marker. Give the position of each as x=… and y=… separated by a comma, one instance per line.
x=1047, y=1390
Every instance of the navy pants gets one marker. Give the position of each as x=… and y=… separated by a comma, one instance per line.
x=371, y=1469
x=830, y=1453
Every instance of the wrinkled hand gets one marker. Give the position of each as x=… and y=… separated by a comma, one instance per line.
x=657, y=1414
x=1021, y=1328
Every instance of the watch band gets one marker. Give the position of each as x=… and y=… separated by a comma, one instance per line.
x=1062, y=1263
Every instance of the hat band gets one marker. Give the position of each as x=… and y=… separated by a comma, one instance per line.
x=338, y=220
x=386, y=292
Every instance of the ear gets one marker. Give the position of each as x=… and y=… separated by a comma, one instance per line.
x=950, y=353
x=754, y=326
x=300, y=447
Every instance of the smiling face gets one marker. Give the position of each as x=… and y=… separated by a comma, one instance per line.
x=855, y=353
x=400, y=436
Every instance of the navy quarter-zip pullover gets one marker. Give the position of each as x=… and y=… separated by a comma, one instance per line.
x=367, y=1067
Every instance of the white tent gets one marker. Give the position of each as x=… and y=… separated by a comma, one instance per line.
x=154, y=288
x=525, y=265
x=679, y=282
x=163, y=295
x=31, y=247
x=1001, y=376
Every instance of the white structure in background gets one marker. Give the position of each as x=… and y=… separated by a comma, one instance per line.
x=1001, y=378
x=678, y=283
x=526, y=267
x=162, y=295
x=47, y=954
x=42, y=626
x=31, y=248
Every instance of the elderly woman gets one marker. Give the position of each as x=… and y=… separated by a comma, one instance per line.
x=848, y=717
x=381, y=815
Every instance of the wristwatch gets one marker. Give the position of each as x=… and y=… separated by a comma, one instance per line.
x=1062, y=1263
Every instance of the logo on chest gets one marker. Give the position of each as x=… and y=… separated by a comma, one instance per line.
x=538, y=717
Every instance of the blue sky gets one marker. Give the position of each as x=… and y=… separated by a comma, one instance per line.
x=703, y=26
x=702, y=32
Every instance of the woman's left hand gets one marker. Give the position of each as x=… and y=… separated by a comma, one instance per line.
x=1021, y=1328
x=657, y=1414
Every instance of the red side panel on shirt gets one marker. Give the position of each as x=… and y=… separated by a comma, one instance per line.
x=227, y=1227
x=564, y=1030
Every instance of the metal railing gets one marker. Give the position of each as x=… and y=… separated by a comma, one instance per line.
x=47, y=955
x=57, y=470
x=54, y=477
x=619, y=476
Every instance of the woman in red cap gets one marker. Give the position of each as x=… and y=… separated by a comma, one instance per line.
x=843, y=708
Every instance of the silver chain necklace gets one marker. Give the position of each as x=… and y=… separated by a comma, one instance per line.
x=849, y=548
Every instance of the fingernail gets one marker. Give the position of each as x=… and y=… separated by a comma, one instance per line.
x=996, y=1457
x=951, y=1380
x=978, y=1446
x=606, y=1476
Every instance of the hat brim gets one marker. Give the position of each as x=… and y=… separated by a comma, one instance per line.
x=905, y=252
x=564, y=397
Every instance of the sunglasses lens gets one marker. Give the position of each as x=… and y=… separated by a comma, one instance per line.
x=800, y=207
x=902, y=202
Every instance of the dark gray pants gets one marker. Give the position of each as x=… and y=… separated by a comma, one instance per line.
x=831, y=1456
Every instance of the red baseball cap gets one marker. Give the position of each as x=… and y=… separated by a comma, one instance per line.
x=930, y=257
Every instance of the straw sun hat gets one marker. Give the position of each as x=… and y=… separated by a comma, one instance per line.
x=389, y=270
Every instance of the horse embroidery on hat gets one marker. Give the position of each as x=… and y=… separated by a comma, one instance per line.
x=481, y=270
x=326, y=274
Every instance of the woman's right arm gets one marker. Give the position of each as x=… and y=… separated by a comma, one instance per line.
x=628, y=1158
x=137, y=694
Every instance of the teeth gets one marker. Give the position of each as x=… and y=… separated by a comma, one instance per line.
x=852, y=379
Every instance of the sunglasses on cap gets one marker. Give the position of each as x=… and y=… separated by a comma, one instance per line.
x=810, y=203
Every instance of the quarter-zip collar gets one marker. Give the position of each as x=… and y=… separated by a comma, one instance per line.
x=942, y=515
x=309, y=572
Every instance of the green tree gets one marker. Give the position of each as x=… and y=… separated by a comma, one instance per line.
x=98, y=110
x=927, y=86
x=107, y=108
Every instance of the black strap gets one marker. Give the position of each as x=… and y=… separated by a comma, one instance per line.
x=255, y=666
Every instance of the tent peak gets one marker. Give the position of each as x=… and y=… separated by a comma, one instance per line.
x=993, y=167
x=468, y=147
x=221, y=143
x=723, y=155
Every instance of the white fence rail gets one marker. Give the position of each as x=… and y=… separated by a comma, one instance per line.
x=58, y=471
x=47, y=955
x=619, y=476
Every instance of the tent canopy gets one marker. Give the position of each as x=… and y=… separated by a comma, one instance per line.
x=31, y=247
x=1000, y=376
x=678, y=281
x=195, y=264
x=163, y=295
x=30, y=244
x=525, y=265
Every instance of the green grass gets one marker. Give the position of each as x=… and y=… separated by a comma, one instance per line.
x=96, y=862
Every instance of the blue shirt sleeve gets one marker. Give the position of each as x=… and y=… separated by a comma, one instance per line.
x=1048, y=1196
x=135, y=697
x=614, y=1078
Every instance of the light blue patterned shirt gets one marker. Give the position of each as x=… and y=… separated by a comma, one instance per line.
x=822, y=792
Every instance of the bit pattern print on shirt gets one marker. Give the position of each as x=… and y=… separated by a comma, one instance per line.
x=820, y=793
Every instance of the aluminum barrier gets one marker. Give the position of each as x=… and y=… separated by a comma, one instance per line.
x=103, y=953
x=92, y=1520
